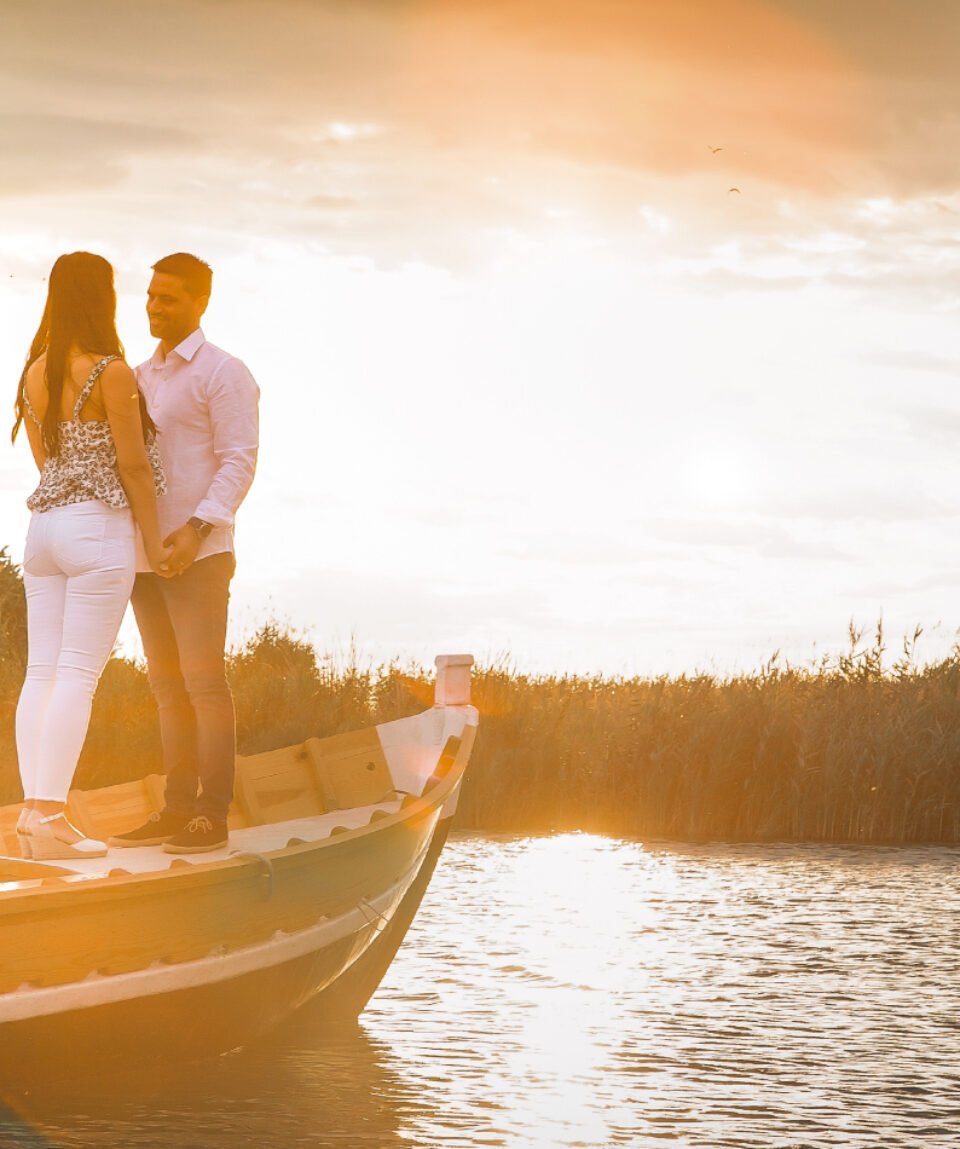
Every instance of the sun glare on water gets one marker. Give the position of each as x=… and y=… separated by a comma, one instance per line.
x=584, y=914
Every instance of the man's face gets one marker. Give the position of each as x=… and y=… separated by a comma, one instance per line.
x=172, y=311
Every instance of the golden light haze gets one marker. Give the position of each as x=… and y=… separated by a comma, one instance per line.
x=639, y=85
x=534, y=379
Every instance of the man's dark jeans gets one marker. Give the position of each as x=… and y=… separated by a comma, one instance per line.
x=183, y=624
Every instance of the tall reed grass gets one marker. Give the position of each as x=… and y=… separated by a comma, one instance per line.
x=843, y=751
x=853, y=749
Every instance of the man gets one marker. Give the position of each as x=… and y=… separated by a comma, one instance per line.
x=204, y=403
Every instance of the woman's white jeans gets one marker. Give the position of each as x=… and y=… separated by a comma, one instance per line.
x=78, y=569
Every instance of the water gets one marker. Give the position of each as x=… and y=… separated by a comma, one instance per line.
x=575, y=991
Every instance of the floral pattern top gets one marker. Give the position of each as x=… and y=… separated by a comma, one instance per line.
x=85, y=466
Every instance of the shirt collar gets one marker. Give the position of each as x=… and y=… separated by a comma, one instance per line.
x=185, y=349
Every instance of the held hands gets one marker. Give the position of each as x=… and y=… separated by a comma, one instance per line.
x=159, y=559
x=183, y=544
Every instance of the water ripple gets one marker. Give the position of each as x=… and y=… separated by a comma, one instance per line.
x=581, y=993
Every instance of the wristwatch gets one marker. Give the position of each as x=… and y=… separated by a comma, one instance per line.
x=202, y=528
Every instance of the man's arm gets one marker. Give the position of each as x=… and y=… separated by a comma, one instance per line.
x=233, y=403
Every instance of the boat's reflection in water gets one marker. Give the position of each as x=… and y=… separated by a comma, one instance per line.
x=302, y=1086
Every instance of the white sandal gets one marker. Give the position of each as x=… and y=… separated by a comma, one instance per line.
x=44, y=844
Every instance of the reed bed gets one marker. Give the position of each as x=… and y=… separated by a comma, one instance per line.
x=853, y=749
x=841, y=752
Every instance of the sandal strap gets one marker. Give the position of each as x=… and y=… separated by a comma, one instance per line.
x=54, y=817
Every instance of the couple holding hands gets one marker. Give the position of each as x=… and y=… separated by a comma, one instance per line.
x=141, y=475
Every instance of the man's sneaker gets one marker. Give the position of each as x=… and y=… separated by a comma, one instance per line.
x=159, y=827
x=197, y=837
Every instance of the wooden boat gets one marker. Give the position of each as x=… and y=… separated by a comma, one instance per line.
x=148, y=955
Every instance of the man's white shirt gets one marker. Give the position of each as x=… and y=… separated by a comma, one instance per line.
x=205, y=405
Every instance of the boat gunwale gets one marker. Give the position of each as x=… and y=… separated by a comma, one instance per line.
x=122, y=883
x=214, y=960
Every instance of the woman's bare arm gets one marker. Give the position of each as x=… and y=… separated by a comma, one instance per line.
x=37, y=394
x=121, y=401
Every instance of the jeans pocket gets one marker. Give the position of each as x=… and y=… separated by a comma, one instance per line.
x=79, y=542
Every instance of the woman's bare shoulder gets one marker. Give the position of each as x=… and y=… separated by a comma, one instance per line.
x=35, y=383
x=117, y=384
x=117, y=371
x=36, y=369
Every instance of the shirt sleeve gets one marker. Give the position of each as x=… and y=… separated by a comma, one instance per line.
x=233, y=405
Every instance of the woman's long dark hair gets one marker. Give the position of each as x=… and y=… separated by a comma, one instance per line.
x=80, y=312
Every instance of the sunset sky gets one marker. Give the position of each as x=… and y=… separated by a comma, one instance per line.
x=536, y=383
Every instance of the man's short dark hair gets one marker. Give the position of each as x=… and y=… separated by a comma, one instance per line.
x=197, y=276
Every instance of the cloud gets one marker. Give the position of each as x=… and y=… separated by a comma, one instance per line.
x=933, y=426
x=764, y=537
x=914, y=360
x=852, y=504
x=335, y=203
x=444, y=130
x=786, y=91
x=71, y=154
x=386, y=613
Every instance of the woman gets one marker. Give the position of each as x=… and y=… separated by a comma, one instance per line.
x=99, y=475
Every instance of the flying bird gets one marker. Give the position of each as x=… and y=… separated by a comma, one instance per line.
x=713, y=149
x=737, y=190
